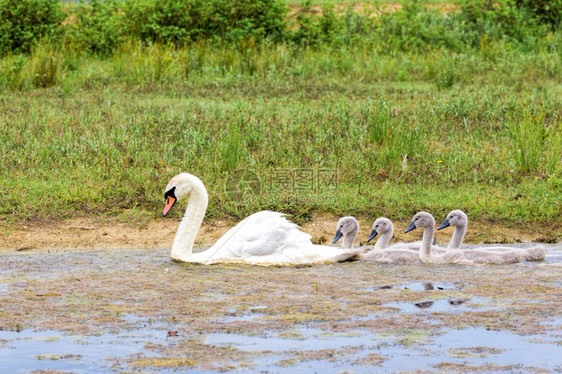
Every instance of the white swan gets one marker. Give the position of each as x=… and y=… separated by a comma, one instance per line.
x=459, y=220
x=385, y=227
x=456, y=256
x=350, y=228
x=264, y=238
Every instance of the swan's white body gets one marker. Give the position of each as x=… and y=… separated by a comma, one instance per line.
x=459, y=220
x=264, y=238
x=458, y=256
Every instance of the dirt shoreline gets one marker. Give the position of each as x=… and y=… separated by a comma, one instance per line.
x=95, y=233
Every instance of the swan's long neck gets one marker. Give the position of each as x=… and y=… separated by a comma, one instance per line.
x=182, y=248
x=427, y=241
x=383, y=240
x=457, y=238
x=347, y=242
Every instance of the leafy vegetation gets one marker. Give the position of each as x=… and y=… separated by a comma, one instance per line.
x=25, y=22
x=411, y=109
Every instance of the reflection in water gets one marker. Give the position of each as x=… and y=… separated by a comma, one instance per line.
x=443, y=305
x=424, y=304
x=427, y=286
x=430, y=286
x=430, y=303
x=456, y=302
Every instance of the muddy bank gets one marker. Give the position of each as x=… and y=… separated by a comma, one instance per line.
x=159, y=233
x=130, y=310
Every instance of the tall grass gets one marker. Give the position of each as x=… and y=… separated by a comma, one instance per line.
x=428, y=125
x=106, y=150
x=45, y=66
x=536, y=141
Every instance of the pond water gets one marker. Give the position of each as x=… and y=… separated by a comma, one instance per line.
x=407, y=350
x=27, y=351
x=553, y=256
x=429, y=342
x=442, y=305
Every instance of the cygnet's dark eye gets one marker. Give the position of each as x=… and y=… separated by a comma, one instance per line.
x=416, y=219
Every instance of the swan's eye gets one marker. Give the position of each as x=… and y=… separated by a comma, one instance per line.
x=416, y=219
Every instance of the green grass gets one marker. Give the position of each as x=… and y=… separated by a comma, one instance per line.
x=89, y=136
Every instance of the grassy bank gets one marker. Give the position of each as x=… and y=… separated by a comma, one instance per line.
x=430, y=121
x=403, y=133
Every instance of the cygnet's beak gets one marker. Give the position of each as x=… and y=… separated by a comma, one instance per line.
x=337, y=237
x=444, y=224
x=411, y=227
x=373, y=234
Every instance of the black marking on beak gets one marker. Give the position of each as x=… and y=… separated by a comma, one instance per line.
x=171, y=200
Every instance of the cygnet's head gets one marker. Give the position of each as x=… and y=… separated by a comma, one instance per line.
x=347, y=226
x=180, y=186
x=381, y=226
x=421, y=219
x=455, y=218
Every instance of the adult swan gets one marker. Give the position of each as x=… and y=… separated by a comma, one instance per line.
x=264, y=238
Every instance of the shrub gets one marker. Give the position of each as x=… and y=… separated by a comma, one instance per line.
x=315, y=29
x=164, y=20
x=179, y=22
x=235, y=20
x=97, y=26
x=24, y=22
x=417, y=28
x=517, y=20
x=544, y=11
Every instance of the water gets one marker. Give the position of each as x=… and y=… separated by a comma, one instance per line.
x=442, y=305
x=251, y=314
x=291, y=351
x=506, y=349
x=420, y=286
x=300, y=348
x=553, y=257
x=428, y=286
x=473, y=346
x=28, y=351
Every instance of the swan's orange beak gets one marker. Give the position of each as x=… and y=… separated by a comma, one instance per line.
x=170, y=201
